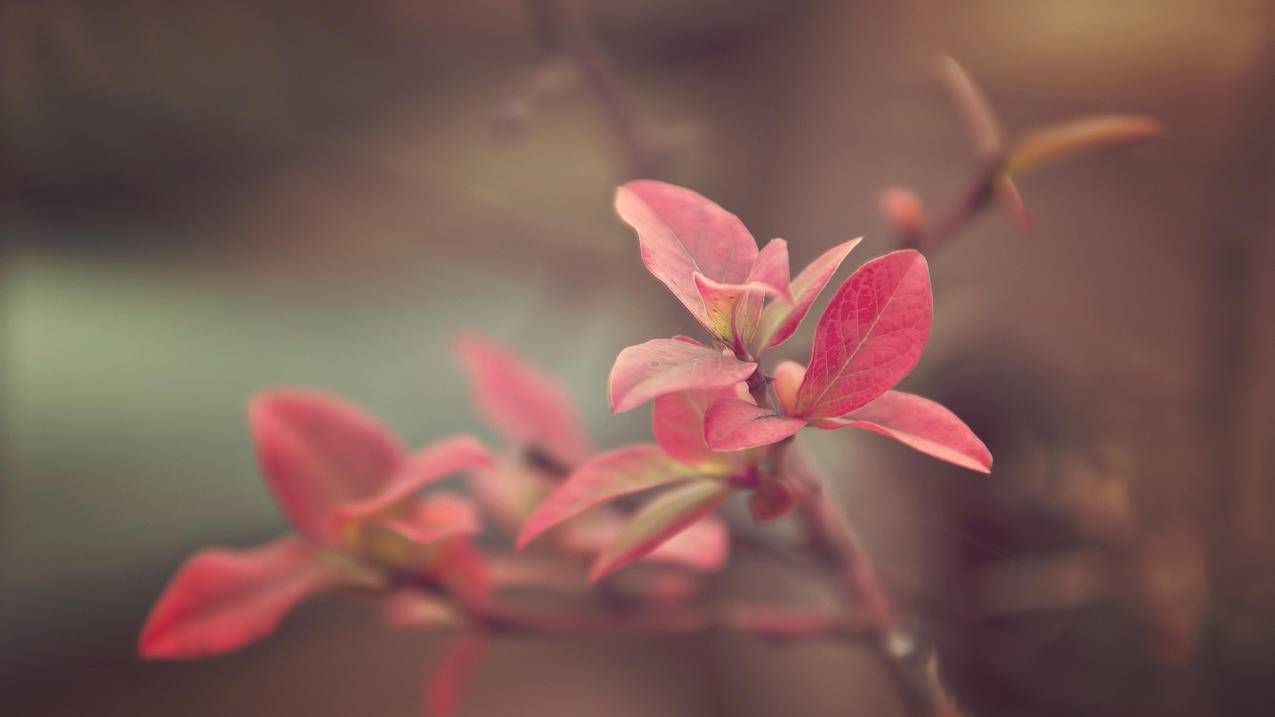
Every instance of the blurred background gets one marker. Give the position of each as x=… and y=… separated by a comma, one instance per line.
x=200, y=200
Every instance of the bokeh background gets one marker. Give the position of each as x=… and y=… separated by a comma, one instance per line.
x=200, y=200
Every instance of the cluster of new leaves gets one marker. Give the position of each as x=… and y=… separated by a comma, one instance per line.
x=713, y=421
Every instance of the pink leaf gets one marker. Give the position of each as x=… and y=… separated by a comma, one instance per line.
x=658, y=521
x=703, y=546
x=619, y=472
x=770, y=269
x=434, y=462
x=677, y=422
x=317, y=451
x=924, y=425
x=733, y=424
x=780, y=319
x=453, y=673
x=788, y=377
x=869, y=337
x=663, y=366
x=221, y=599
x=680, y=233
x=732, y=311
x=524, y=404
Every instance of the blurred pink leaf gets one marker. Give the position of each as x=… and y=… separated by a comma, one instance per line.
x=772, y=500
x=677, y=422
x=417, y=608
x=703, y=546
x=221, y=599
x=435, y=518
x=452, y=674
x=733, y=424
x=1077, y=136
x=316, y=452
x=663, y=366
x=682, y=232
x=508, y=491
x=972, y=105
x=870, y=336
x=658, y=521
x=780, y=319
x=619, y=472
x=921, y=424
x=524, y=404
x=432, y=463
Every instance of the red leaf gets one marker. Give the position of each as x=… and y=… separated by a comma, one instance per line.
x=772, y=500
x=317, y=451
x=677, y=422
x=221, y=600
x=682, y=232
x=658, y=521
x=733, y=424
x=524, y=404
x=453, y=673
x=619, y=472
x=924, y=425
x=780, y=319
x=663, y=366
x=870, y=336
x=434, y=462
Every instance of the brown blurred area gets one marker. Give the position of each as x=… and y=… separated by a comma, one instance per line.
x=199, y=200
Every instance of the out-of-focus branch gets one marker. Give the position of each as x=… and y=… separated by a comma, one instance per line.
x=772, y=622
x=564, y=25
